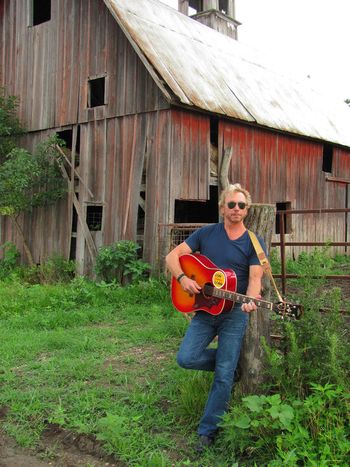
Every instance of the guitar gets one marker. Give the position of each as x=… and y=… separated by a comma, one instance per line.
x=218, y=290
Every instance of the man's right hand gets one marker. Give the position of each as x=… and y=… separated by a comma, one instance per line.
x=189, y=285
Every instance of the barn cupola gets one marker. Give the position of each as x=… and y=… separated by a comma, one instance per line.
x=217, y=14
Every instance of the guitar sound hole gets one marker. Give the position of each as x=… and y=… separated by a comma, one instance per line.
x=207, y=290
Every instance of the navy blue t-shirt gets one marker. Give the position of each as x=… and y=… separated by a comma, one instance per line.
x=213, y=242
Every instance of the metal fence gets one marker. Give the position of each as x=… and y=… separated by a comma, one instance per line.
x=170, y=235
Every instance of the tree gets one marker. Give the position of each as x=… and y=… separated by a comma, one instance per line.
x=10, y=126
x=27, y=180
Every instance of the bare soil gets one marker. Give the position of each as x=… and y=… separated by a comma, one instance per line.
x=57, y=448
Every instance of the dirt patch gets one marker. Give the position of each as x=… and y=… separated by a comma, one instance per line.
x=57, y=448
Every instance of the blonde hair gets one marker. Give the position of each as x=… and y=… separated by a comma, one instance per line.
x=236, y=187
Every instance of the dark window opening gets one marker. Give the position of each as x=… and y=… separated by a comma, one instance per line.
x=96, y=92
x=327, y=158
x=94, y=217
x=206, y=212
x=287, y=219
x=41, y=10
x=196, y=6
x=223, y=6
x=214, y=131
x=141, y=215
x=67, y=137
x=74, y=221
x=77, y=148
x=73, y=249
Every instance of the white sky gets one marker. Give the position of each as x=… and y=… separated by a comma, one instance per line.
x=310, y=38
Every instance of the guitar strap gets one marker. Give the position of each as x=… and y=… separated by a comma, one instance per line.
x=264, y=261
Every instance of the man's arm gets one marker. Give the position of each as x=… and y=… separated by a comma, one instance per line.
x=254, y=286
x=174, y=266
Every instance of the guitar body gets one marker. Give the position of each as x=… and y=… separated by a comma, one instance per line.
x=204, y=272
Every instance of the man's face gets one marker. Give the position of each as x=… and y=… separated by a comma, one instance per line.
x=235, y=208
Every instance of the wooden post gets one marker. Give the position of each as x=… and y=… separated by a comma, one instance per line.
x=260, y=220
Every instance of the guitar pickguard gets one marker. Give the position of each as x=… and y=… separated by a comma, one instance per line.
x=202, y=301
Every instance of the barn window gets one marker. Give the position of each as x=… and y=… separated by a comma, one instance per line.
x=67, y=136
x=41, y=11
x=195, y=6
x=198, y=211
x=97, y=92
x=94, y=217
x=287, y=218
x=223, y=7
x=327, y=158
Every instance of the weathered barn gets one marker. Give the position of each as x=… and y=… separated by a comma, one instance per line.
x=149, y=102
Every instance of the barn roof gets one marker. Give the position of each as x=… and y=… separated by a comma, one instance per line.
x=197, y=66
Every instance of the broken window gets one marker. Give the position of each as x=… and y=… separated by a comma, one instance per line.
x=41, y=11
x=286, y=206
x=97, y=92
x=94, y=217
x=327, y=158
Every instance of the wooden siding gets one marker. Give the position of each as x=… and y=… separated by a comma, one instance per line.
x=170, y=148
x=190, y=147
x=277, y=168
x=48, y=65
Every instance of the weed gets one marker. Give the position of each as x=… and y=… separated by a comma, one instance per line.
x=274, y=432
x=10, y=258
x=118, y=262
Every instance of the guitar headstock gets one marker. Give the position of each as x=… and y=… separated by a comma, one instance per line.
x=289, y=310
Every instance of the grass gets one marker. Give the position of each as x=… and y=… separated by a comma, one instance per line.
x=98, y=360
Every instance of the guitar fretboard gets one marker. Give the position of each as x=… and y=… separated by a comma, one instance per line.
x=236, y=297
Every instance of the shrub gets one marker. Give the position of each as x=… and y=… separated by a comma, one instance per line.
x=118, y=262
x=10, y=258
x=55, y=269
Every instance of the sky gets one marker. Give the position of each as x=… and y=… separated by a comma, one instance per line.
x=310, y=39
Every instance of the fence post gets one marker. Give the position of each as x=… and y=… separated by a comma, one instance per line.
x=283, y=252
x=261, y=219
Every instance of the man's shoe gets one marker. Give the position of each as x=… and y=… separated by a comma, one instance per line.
x=203, y=443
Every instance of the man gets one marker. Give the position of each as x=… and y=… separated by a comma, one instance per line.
x=228, y=246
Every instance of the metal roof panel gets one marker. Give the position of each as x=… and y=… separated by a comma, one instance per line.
x=216, y=73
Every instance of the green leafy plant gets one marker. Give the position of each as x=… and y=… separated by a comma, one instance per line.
x=10, y=258
x=119, y=262
x=30, y=180
x=274, y=432
x=316, y=348
x=56, y=269
x=10, y=126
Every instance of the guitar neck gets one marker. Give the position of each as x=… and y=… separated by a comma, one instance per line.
x=239, y=298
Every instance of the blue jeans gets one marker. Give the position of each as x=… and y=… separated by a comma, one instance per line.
x=194, y=354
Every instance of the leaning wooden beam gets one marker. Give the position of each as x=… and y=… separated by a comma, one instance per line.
x=223, y=176
x=75, y=171
x=86, y=232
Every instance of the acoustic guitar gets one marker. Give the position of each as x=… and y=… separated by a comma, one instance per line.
x=218, y=290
